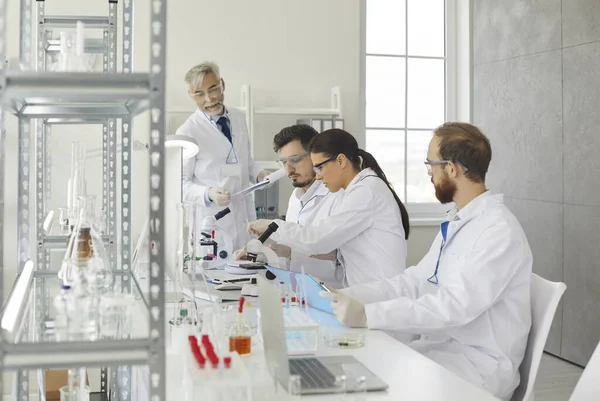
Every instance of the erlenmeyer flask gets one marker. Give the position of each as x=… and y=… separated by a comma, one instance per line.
x=86, y=261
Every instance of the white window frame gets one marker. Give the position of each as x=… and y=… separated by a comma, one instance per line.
x=458, y=100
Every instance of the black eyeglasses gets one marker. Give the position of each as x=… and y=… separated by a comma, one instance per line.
x=318, y=167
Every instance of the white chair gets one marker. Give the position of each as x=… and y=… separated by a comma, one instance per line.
x=588, y=386
x=545, y=296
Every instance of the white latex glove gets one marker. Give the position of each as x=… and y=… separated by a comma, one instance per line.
x=219, y=195
x=283, y=251
x=348, y=310
x=258, y=227
x=261, y=176
x=240, y=254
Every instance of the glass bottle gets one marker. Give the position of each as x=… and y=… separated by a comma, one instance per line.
x=62, y=315
x=240, y=334
x=86, y=260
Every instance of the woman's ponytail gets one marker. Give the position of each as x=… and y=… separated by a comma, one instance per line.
x=336, y=141
x=368, y=161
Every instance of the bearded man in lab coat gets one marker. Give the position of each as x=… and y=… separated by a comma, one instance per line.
x=223, y=166
x=468, y=299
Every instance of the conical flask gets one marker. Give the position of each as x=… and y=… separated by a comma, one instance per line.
x=86, y=261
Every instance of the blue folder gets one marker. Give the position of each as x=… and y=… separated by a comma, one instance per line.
x=313, y=287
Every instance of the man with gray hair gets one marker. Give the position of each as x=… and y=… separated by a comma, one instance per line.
x=223, y=165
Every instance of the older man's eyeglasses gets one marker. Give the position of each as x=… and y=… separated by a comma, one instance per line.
x=213, y=92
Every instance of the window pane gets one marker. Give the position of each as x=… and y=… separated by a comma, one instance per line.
x=425, y=93
x=426, y=28
x=419, y=187
x=386, y=27
x=388, y=149
x=385, y=92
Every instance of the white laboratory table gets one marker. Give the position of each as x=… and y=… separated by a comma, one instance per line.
x=410, y=375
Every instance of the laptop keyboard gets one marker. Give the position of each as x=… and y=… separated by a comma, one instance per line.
x=313, y=373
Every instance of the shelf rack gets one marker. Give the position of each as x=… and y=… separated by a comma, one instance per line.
x=41, y=99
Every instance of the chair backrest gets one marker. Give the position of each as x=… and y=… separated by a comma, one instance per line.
x=588, y=386
x=545, y=296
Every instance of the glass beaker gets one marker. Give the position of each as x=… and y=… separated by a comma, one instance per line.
x=67, y=394
x=115, y=316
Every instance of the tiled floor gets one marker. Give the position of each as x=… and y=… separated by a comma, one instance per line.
x=556, y=379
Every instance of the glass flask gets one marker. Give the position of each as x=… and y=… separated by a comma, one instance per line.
x=240, y=334
x=86, y=261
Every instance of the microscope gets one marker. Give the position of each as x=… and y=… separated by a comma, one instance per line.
x=215, y=246
x=258, y=252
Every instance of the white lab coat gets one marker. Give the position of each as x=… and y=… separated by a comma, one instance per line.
x=306, y=208
x=365, y=227
x=476, y=320
x=214, y=166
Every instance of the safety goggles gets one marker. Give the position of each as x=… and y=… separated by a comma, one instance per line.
x=430, y=163
x=318, y=168
x=292, y=160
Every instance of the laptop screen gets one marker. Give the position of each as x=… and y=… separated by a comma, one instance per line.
x=273, y=330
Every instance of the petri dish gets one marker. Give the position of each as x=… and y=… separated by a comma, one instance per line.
x=344, y=340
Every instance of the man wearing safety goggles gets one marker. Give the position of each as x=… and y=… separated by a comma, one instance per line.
x=309, y=202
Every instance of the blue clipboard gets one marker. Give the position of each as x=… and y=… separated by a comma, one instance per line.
x=313, y=287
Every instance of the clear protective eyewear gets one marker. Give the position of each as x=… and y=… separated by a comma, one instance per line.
x=430, y=163
x=317, y=168
x=292, y=160
x=212, y=93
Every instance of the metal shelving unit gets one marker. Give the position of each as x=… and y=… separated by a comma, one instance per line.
x=41, y=99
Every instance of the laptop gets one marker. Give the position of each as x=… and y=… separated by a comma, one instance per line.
x=318, y=374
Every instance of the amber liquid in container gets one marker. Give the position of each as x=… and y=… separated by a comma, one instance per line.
x=240, y=344
x=240, y=335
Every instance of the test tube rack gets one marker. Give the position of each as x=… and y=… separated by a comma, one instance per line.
x=301, y=332
x=209, y=376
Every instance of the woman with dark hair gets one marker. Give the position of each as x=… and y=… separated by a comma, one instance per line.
x=369, y=224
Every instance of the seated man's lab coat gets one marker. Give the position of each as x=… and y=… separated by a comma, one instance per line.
x=475, y=321
x=310, y=207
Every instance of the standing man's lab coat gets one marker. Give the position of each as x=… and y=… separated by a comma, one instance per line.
x=475, y=321
x=365, y=227
x=220, y=163
x=307, y=208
